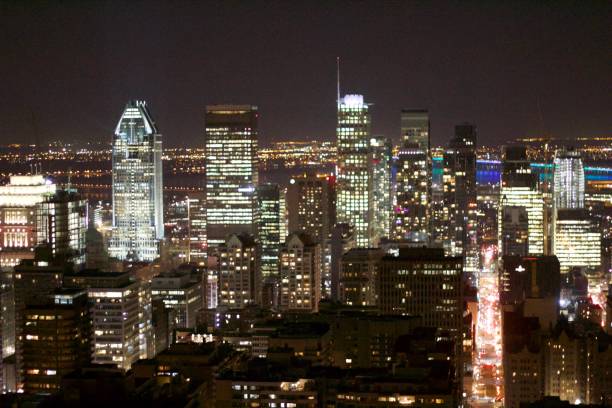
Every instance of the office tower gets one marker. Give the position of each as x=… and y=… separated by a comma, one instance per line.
x=198, y=247
x=311, y=209
x=300, y=274
x=358, y=276
x=18, y=200
x=460, y=196
x=354, y=169
x=61, y=221
x=439, y=216
x=525, y=277
x=180, y=294
x=425, y=282
x=341, y=241
x=514, y=229
x=269, y=197
x=56, y=340
x=138, y=223
x=568, y=180
x=7, y=327
x=33, y=281
x=121, y=319
x=231, y=171
x=380, y=151
x=519, y=189
x=577, y=240
x=422, y=281
x=413, y=180
x=96, y=249
x=239, y=273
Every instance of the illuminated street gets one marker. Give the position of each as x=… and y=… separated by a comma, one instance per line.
x=488, y=373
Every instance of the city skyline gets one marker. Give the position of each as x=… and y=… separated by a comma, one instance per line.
x=540, y=60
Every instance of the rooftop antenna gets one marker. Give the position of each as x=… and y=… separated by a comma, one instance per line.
x=338, y=80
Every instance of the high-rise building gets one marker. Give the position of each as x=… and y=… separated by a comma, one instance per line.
x=460, y=196
x=271, y=220
x=33, y=281
x=311, y=209
x=514, y=229
x=121, y=316
x=524, y=277
x=180, y=294
x=422, y=281
x=577, y=240
x=198, y=247
x=358, y=276
x=138, y=223
x=18, y=201
x=56, y=340
x=61, y=222
x=568, y=180
x=231, y=172
x=519, y=189
x=413, y=180
x=300, y=274
x=239, y=273
x=354, y=170
x=341, y=241
x=380, y=151
x=425, y=282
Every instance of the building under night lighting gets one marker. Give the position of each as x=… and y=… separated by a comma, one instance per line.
x=138, y=223
x=231, y=172
x=354, y=174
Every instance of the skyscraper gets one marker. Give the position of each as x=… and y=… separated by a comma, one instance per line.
x=311, y=209
x=380, y=151
x=354, y=175
x=269, y=197
x=138, y=223
x=577, y=240
x=231, y=171
x=460, y=196
x=61, y=221
x=568, y=180
x=519, y=189
x=413, y=186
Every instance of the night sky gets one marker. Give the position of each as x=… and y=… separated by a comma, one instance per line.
x=514, y=69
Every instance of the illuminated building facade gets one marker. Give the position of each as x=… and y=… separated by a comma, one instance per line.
x=460, y=196
x=61, y=222
x=568, y=180
x=413, y=182
x=198, y=247
x=121, y=315
x=380, y=151
x=138, y=223
x=56, y=340
x=519, y=189
x=18, y=200
x=354, y=172
x=300, y=274
x=358, y=276
x=180, y=294
x=311, y=204
x=231, y=172
x=239, y=273
x=577, y=241
x=271, y=220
